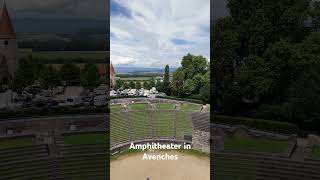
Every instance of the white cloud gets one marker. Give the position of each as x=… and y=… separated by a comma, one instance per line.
x=146, y=37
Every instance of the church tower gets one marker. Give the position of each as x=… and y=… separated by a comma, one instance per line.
x=8, y=43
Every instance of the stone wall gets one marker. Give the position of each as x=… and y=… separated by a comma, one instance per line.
x=313, y=140
x=201, y=141
x=60, y=124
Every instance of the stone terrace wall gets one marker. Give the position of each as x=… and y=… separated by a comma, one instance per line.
x=61, y=124
x=148, y=100
x=201, y=141
x=220, y=132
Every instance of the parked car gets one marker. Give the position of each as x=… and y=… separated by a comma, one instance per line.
x=101, y=100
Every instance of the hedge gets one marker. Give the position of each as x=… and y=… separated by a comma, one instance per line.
x=197, y=101
x=259, y=124
x=33, y=112
x=122, y=97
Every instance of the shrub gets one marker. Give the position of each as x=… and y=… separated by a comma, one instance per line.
x=197, y=101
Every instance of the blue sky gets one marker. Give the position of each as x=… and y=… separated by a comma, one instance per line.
x=152, y=33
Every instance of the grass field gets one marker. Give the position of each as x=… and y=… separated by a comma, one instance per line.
x=136, y=78
x=16, y=142
x=190, y=108
x=137, y=125
x=247, y=145
x=115, y=107
x=164, y=123
x=235, y=169
x=86, y=138
x=316, y=152
x=138, y=106
x=165, y=106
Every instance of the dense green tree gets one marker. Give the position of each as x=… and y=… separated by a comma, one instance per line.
x=119, y=83
x=138, y=85
x=126, y=85
x=146, y=85
x=93, y=76
x=194, y=65
x=132, y=84
x=70, y=73
x=266, y=59
x=49, y=77
x=28, y=71
x=177, y=82
x=166, y=85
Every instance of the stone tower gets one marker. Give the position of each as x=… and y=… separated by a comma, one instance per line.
x=8, y=43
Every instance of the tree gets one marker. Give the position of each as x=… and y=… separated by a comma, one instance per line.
x=177, y=82
x=152, y=83
x=93, y=76
x=189, y=86
x=146, y=85
x=49, y=77
x=138, y=85
x=132, y=85
x=119, y=83
x=70, y=73
x=27, y=72
x=193, y=65
x=126, y=85
x=166, y=85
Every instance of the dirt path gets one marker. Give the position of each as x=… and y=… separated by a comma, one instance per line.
x=187, y=167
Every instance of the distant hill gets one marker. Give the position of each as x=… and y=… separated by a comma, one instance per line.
x=56, y=25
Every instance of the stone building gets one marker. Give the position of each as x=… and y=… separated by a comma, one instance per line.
x=112, y=77
x=8, y=47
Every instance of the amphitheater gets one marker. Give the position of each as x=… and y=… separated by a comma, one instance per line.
x=62, y=147
x=142, y=120
x=254, y=154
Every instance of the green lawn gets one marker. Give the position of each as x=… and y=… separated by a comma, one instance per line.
x=138, y=106
x=190, y=108
x=119, y=131
x=316, y=152
x=135, y=125
x=247, y=145
x=16, y=142
x=183, y=124
x=165, y=106
x=235, y=169
x=164, y=123
x=86, y=138
x=115, y=107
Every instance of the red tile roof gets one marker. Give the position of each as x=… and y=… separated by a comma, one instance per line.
x=112, y=71
x=6, y=28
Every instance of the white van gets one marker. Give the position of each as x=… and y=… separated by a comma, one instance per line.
x=74, y=101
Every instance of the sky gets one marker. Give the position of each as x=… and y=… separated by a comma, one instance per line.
x=58, y=8
x=57, y=15
x=153, y=33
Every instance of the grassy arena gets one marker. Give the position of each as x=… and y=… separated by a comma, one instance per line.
x=255, y=145
x=16, y=142
x=135, y=125
x=86, y=138
x=316, y=152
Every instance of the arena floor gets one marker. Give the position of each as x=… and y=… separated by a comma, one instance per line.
x=187, y=167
